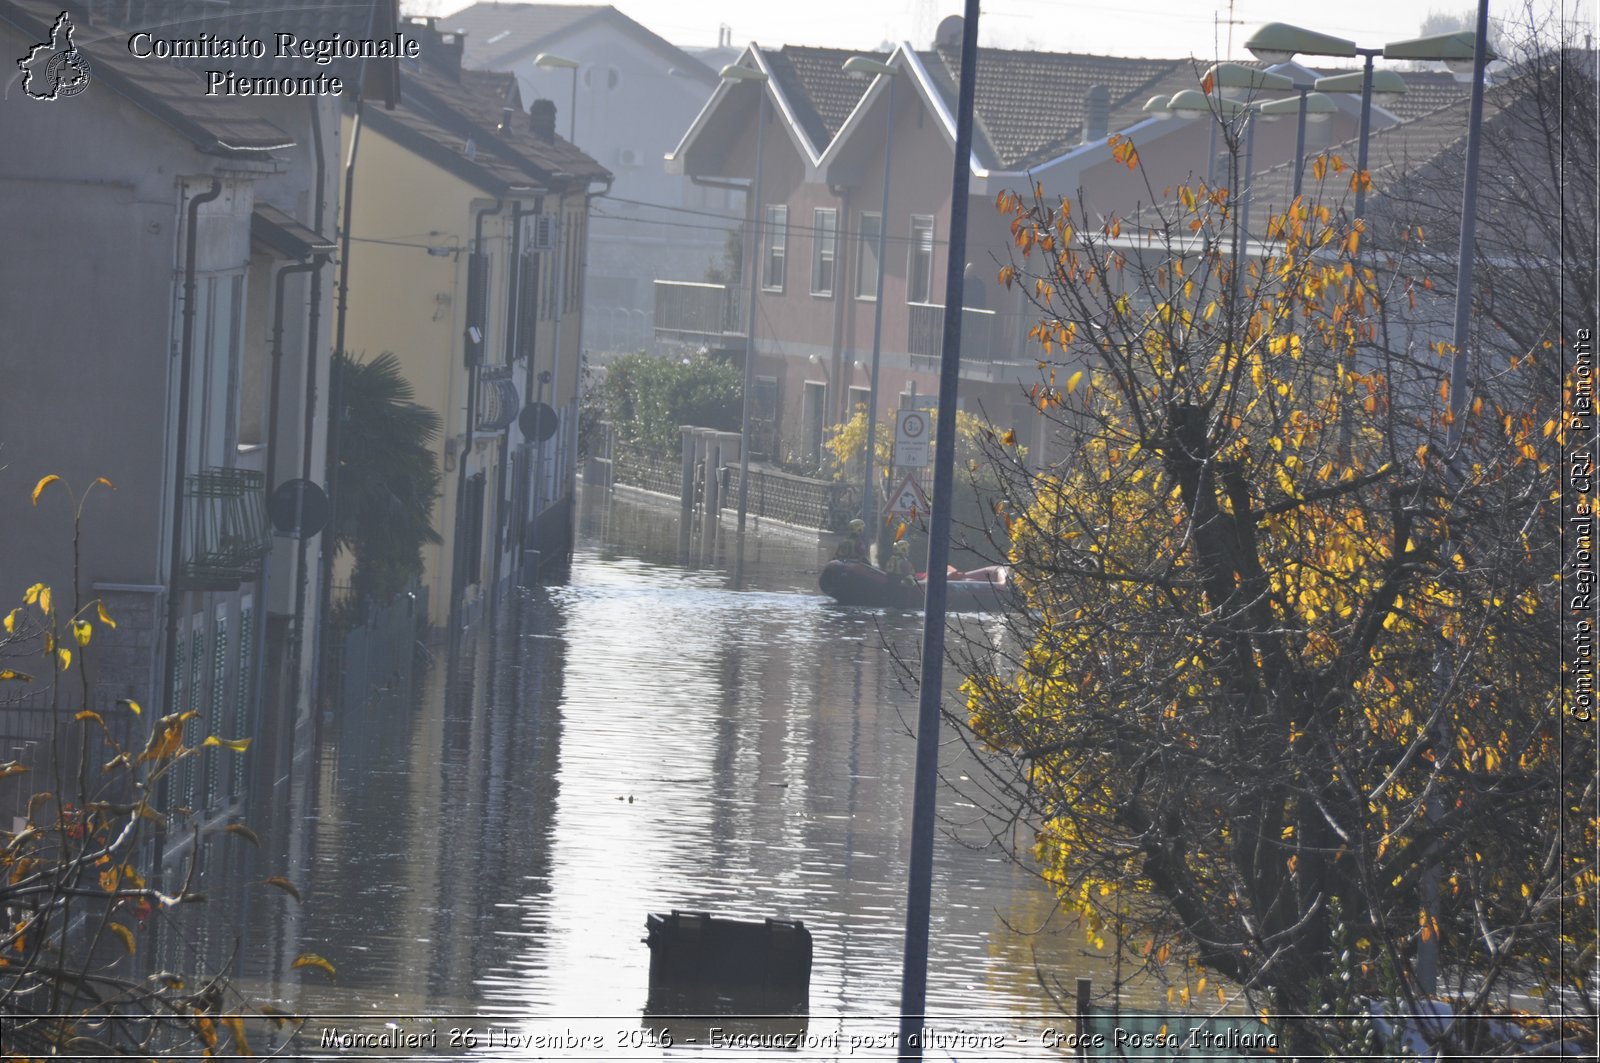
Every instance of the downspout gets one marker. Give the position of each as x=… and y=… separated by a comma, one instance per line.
x=512, y=336
x=263, y=610
x=558, y=289
x=313, y=328
x=330, y=538
x=582, y=280
x=169, y=670
x=843, y=368
x=459, y=588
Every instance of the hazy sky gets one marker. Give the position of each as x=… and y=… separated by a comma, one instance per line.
x=1157, y=28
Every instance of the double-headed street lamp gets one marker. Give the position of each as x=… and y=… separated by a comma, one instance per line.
x=551, y=61
x=733, y=72
x=861, y=66
x=1279, y=42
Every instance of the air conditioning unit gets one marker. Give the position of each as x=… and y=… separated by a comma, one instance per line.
x=543, y=237
x=628, y=157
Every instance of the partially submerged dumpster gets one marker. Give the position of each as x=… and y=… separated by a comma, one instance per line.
x=704, y=966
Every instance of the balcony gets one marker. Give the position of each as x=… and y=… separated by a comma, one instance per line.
x=699, y=313
x=225, y=529
x=498, y=399
x=992, y=343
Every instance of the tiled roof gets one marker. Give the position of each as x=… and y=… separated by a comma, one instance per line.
x=496, y=33
x=1029, y=107
x=822, y=94
x=459, y=125
x=220, y=125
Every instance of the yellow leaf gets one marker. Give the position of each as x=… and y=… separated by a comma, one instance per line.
x=11, y=620
x=244, y=832
x=279, y=882
x=1073, y=381
x=235, y=1025
x=103, y=480
x=124, y=935
x=7, y=673
x=44, y=600
x=64, y=655
x=39, y=487
x=238, y=745
x=311, y=959
x=31, y=595
x=82, y=631
x=105, y=617
x=133, y=706
x=89, y=714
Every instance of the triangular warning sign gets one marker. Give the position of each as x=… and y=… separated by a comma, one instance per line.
x=908, y=498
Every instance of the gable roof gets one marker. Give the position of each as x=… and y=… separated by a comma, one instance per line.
x=497, y=34
x=1029, y=107
x=174, y=96
x=820, y=93
x=474, y=127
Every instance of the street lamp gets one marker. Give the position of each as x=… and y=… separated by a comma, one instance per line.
x=1278, y=42
x=1312, y=104
x=860, y=66
x=733, y=72
x=551, y=61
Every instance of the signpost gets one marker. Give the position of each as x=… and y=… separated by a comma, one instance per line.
x=911, y=439
x=908, y=498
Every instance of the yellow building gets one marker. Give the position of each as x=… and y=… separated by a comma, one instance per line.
x=468, y=220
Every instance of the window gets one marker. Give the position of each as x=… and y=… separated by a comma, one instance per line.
x=858, y=399
x=824, y=238
x=867, y=256
x=813, y=418
x=214, y=393
x=764, y=407
x=774, y=241
x=919, y=275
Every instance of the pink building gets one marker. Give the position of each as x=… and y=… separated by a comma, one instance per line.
x=1040, y=118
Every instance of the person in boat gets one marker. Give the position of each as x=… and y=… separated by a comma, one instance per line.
x=900, y=563
x=853, y=547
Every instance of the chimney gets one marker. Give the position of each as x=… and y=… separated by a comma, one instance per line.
x=505, y=120
x=440, y=49
x=1096, y=114
x=948, y=35
x=542, y=119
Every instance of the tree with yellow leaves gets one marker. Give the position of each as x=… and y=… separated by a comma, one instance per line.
x=79, y=893
x=1287, y=704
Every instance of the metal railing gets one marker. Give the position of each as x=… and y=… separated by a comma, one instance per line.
x=988, y=337
x=687, y=309
x=498, y=400
x=225, y=528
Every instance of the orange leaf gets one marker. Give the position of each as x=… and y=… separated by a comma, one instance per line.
x=311, y=959
x=39, y=487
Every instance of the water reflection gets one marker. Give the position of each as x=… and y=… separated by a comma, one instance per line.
x=646, y=739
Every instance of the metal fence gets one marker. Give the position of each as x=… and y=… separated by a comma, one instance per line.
x=826, y=505
x=638, y=467
x=1135, y=1034
x=45, y=737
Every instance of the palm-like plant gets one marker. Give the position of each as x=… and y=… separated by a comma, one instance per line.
x=388, y=478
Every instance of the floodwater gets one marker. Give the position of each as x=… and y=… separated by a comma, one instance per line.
x=643, y=739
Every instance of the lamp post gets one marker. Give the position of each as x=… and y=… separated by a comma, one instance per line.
x=733, y=72
x=551, y=61
x=861, y=66
x=1279, y=42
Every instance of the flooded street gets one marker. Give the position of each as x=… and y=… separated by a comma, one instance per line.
x=640, y=740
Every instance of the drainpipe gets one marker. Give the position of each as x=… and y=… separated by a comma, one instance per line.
x=330, y=537
x=169, y=670
x=459, y=588
x=263, y=610
x=313, y=343
x=559, y=289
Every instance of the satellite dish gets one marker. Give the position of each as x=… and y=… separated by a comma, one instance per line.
x=298, y=508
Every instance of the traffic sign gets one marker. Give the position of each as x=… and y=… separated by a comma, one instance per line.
x=911, y=426
x=908, y=499
x=911, y=430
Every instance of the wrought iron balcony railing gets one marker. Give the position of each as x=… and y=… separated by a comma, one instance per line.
x=498, y=400
x=225, y=528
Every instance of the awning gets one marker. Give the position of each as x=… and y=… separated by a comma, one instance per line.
x=277, y=231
